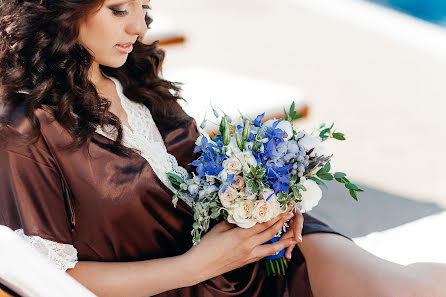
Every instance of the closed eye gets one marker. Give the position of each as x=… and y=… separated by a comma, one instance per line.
x=125, y=12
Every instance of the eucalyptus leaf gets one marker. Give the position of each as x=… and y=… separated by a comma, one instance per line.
x=338, y=136
x=318, y=181
x=325, y=176
x=353, y=194
x=351, y=186
x=339, y=175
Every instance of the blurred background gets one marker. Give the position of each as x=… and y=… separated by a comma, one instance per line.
x=375, y=68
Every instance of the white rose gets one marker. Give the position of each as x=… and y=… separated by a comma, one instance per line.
x=310, y=197
x=266, y=210
x=309, y=142
x=240, y=214
x=232, y=165
x=227, y=198
x=283, y=125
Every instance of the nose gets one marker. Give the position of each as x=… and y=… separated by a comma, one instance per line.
x=137, y=25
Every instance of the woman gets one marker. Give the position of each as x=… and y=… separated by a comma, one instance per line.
x=88, y=131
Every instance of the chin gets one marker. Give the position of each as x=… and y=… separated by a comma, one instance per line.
x=114, y=63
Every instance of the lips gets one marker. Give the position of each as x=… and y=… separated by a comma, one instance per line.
x=124, y=48
x=124, y=44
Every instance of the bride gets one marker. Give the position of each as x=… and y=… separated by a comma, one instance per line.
x=88, y=130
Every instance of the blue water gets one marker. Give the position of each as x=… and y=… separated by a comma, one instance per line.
x=433, y=11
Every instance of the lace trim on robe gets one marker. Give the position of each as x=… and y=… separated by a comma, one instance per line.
x=147, y=139
x=64, y=256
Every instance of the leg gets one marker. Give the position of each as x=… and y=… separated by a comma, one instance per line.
x=338, y=267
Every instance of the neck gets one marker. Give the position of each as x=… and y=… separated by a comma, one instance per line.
x=95, y=75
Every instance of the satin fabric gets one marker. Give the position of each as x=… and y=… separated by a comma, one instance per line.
x=114, y=208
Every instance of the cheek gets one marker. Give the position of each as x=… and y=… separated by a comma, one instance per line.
x=98, y=32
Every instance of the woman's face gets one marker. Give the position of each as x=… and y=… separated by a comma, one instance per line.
x=109, y=32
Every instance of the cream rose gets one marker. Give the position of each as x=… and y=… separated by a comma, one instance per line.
x=310, y=197
x=227, y=198
x=266, y=210
x=240, y=214
x=246, y=158
x=239, y=183
x=232, y=165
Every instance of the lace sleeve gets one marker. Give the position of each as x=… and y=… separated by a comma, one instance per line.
x=64, y=256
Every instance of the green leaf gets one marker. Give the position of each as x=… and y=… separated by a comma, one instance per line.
x=325, y=176
x=297, y=116
x=340, y=180
x=339, y=175
x=338, y=136
x=177, y=178
x=292, y=109
x=351, y=186
x=318, y=181
x=215, y=214
x=320, y=171
x=323, y=132
x=353, y=194
x=254, y=188
x=327, y=167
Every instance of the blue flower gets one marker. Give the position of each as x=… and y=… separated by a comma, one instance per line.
x=229, y=181
x=258, y=120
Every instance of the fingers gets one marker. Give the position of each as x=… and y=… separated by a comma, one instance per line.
x=260, y=227
x=273, y=248
x=298, y=224
x=289, y=251
x=271, y=231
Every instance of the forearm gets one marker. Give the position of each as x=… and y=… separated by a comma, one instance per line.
x=140, y=278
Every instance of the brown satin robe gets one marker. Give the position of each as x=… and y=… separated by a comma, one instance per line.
x=114, y=208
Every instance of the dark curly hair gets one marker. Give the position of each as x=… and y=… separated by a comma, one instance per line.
x=39, y=53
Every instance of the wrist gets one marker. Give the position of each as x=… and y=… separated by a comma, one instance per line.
x=192, y=267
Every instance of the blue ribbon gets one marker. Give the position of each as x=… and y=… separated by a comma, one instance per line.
x=280, y=254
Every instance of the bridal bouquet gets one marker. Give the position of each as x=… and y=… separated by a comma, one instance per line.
x=251, y=172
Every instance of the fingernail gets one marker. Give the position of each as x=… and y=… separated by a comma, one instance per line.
x=300, y=237
x=293, y=242
x=288, y=257
x=290, y=215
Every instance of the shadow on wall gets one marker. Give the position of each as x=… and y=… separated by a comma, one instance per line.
x=374, y=212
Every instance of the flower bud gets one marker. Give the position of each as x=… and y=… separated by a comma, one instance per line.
x=240, y=142
x=246, y=130
x=203, y=124
x=222, y=125
x=226, y=136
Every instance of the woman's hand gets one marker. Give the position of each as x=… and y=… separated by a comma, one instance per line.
x=294, y=231
x=227, y=247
